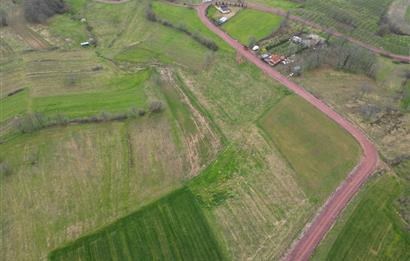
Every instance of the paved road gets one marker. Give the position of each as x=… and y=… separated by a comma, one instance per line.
x=402, y=58
x=322, y=223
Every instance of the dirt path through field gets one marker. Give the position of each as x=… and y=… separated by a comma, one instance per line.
x=322, y=223
x=19, y=25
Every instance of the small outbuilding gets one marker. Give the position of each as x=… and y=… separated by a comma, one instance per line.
x=255, y=48
x=222, y=20
x=223, y=9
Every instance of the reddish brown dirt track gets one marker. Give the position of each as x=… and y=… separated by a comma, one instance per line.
x=401, y=58
x=322, y=223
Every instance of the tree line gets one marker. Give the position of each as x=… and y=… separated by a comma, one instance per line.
x=38, y=11
x=341, y=55
x=208, y=43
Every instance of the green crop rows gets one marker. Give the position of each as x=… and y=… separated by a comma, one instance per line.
x=173, y=228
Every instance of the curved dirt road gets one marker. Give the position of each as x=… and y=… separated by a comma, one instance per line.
x=277, y=11
x=321, y=224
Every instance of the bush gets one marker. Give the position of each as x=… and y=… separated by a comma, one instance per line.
x=38, y=11
x=141, y=112
x=32, y=122
x=3, y=18
x=149, y=14
x=155, y=107
x=5, y=169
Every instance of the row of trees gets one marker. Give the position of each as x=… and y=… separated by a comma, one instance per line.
x=38, y=11
x=36, y=121
x=340, y=55
x=208, y=43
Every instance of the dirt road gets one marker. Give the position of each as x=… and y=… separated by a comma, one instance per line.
x=321, y=224
x=402, y=58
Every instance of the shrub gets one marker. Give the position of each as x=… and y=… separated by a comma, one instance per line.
x=3, y=18
x=141, y=112
x=5, y=169
x=155, y=107
x=149, y=14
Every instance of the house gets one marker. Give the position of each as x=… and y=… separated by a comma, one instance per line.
x=223, y=9
x=222, y=20
x=85, y=44
x=274, y=59
x=296, y=39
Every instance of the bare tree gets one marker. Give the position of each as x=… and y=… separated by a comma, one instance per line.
x=3, y=18
x=155, y=107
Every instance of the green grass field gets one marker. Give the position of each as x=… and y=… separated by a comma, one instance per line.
x=371, y=228
x=320, y=152
x=172, y=228
x=127, y=91
x=249, y=23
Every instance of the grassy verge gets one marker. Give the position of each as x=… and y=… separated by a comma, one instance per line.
x=319, y=151
x=249, y=23
x=172, y=228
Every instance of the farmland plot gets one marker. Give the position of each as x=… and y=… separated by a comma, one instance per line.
x=318, y=150
x=360, y=19
x=173, y=228
x=98, y=173
x=257, y=204
x=371, y=228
